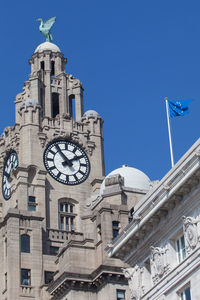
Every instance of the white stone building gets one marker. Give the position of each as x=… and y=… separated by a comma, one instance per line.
x=161, y=244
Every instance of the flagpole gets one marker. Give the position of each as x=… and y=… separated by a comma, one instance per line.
x=169, y=131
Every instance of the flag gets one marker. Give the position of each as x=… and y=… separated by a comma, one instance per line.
x=178, y=108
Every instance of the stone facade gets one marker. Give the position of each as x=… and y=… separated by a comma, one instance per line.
x=53, y=236
x=161, y=245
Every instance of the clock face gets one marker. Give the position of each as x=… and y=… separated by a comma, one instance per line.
x=11, y=163
x=66, y=162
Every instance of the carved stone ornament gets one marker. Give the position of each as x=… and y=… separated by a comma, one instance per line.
x=134, y=281
x=190, y=232
x=74, y=82
x=158, y=263
x=114, y=179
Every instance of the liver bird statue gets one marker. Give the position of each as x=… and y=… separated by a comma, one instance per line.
x=45, y=28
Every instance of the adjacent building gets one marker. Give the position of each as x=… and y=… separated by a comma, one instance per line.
x=161, y=244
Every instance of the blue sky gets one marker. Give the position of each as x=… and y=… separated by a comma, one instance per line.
x=129, y=56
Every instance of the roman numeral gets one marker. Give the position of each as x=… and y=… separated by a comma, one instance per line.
x=81, y=172
x=83, y=165
x=57, y=147
x=76, y=178
x=52, y=152
x=58, y=175
x=74, y=150
x=52, y=168
x=49, y=159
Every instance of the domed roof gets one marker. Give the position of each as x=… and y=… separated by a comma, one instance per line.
x=133, y=178
x=47, y=46
x=91, y=113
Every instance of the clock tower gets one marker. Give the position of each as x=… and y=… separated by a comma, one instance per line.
x=55, y=220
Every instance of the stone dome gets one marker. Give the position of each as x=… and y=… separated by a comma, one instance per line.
x=133, y=178
x=91, y=113
x=47, y=46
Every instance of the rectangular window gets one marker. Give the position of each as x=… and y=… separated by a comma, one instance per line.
x=62, y=223
x=72, y=224
x=25, y=277
x=180, y=248
x=48, y=276
x=120, y=295
x=66, y=207
x=31, y=203
x=185, y=295
x=115, y=227
x=54, y=250
x=71, y=208
x=67, y=223
x=61, y=206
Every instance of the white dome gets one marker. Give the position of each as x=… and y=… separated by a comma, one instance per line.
x=91, y=113
x=47, y=46
x=133, y=178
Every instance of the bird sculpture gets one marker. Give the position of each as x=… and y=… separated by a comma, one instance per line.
x=45, y=28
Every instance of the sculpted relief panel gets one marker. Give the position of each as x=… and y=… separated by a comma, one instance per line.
x=159, y=264
x=191, y=232
x=134, y=281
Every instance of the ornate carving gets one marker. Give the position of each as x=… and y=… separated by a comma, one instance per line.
x=114, y=179
x=158, y=263
x=190, y=232
x=134, y=281
x=43, y=139
x=74, y=82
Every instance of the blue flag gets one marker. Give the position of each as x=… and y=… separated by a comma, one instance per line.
x=178, y=108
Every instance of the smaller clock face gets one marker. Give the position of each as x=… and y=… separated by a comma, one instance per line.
x=66, y=162
x=11, y=163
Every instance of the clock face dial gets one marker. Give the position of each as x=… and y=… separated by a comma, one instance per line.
x=66, y=162
x=11, y=163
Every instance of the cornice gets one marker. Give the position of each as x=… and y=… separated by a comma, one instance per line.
x=171, y=189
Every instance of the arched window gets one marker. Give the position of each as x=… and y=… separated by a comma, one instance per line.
x=66, y=216
x=25, y=243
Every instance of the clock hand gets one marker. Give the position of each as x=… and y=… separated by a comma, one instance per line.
x=76, y=157
x=66, y=160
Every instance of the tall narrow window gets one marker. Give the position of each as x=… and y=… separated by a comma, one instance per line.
x=131, y=213
x=115, y=228
x=25, y=277
x=52, y=68
x=180, y=248
x=42, y=65
x=55, y=104
x=25, y=243
x=120, y=295
x=31, y=203
x=66, y=216
x=185, y=295
x=72, y=109
x=42, y=100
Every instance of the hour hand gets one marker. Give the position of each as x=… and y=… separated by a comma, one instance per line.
x=76, y=157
